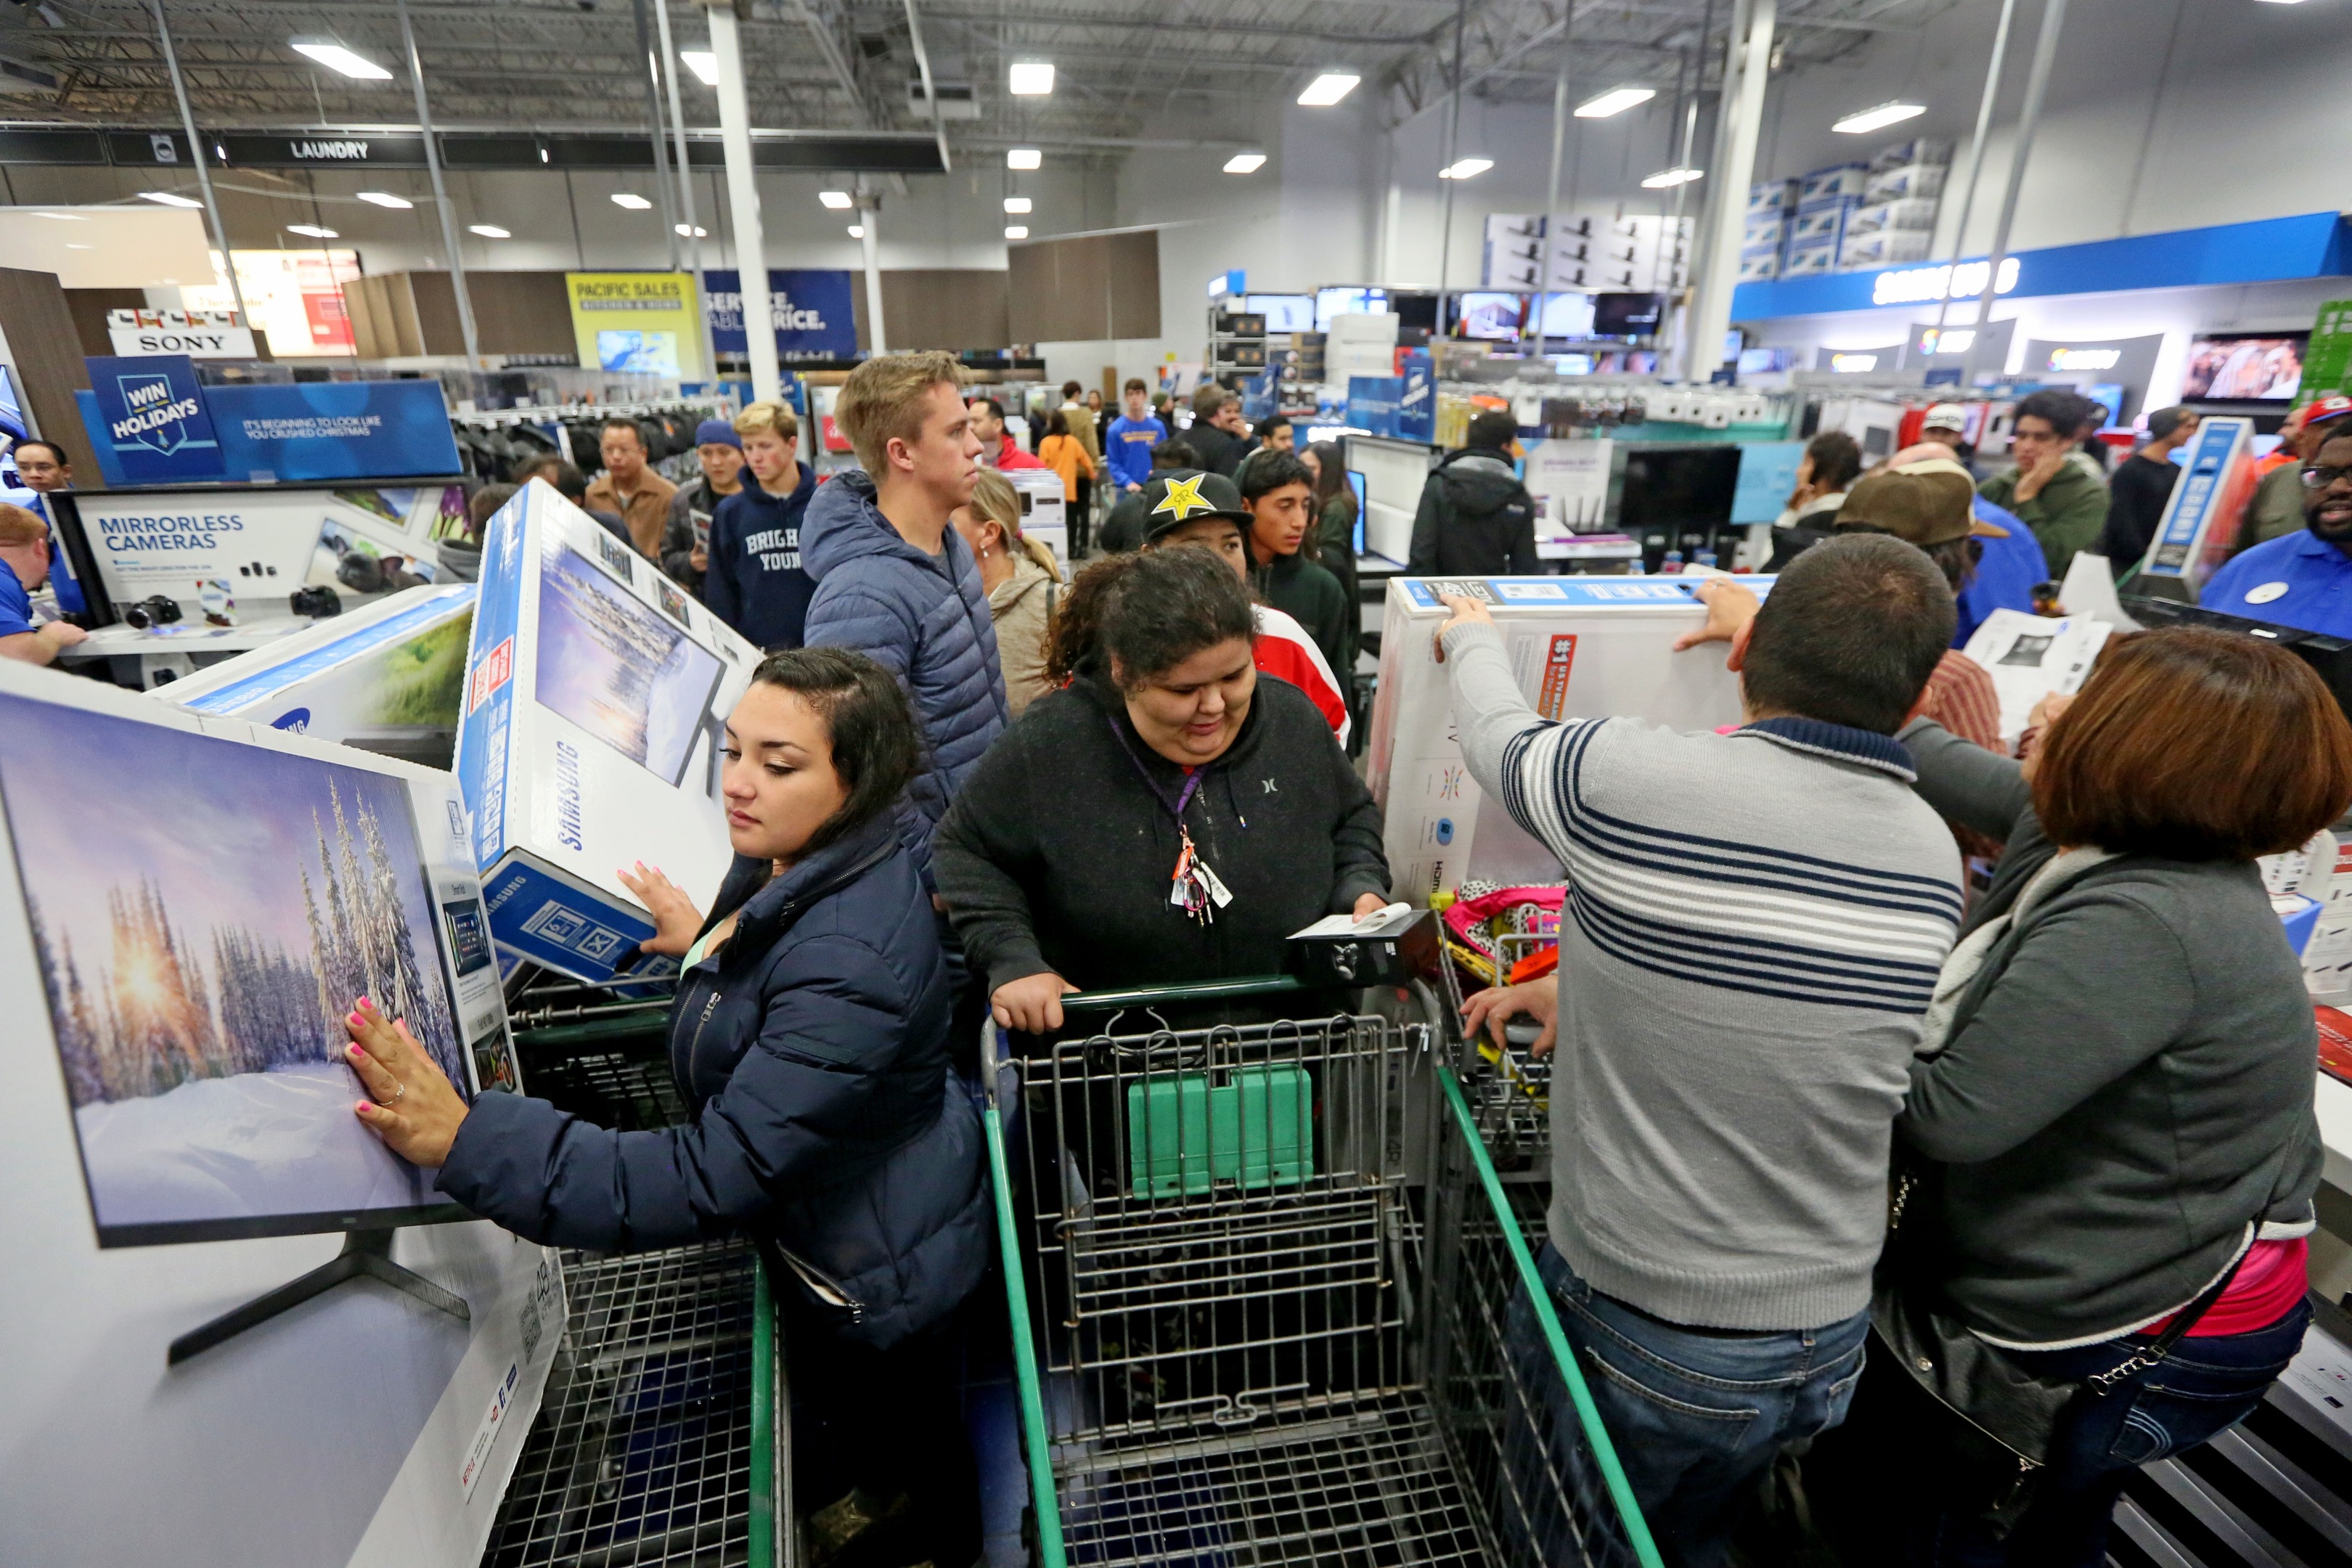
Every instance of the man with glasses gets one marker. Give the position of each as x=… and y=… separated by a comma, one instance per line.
x=2304, y=579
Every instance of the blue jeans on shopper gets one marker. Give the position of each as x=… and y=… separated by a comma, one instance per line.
x=2204, y=1387
x=1695, y=1417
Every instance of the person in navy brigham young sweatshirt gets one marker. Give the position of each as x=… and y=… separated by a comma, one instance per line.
x=756, y=582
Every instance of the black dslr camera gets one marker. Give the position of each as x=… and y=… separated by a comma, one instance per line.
x=152, y=612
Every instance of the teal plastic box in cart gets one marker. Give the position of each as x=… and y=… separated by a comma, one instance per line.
x=1185, y=1135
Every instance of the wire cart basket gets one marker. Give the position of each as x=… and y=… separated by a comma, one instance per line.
x=1243, y=1337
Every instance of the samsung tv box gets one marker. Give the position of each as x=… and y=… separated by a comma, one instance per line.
x=597, y=696
x=1582, y=647
x=387, y=677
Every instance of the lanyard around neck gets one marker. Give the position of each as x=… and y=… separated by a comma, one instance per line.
x=1191, y=783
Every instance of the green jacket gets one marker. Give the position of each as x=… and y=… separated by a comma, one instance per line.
x=2066, y=515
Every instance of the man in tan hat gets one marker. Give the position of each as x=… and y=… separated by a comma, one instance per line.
x=1927, y=504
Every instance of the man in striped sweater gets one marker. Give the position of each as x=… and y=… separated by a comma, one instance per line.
x=1756, y=920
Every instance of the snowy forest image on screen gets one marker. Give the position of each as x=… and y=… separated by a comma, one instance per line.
x=204, y=914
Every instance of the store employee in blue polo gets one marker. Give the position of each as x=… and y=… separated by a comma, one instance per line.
x=23, y=567
x=2302, y=580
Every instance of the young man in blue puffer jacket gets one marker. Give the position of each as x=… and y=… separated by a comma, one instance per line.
x=896, y=583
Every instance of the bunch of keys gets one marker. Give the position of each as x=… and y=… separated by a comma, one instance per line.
x=1196, y=889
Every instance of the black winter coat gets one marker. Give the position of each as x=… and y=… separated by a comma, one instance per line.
x=813, y=1049
x=1475, y=520
x=1056, y=856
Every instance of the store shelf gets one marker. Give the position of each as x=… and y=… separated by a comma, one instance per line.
x=654, y=1427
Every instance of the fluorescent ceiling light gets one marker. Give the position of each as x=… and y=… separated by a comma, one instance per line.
x=311, y=231
x=166, y=198
x=631, y=200
x=1667, y=179
x=857, y=231
x=488, y=231
x=1023, y=158
x=703, y=64
x=837, y=200
x=1616, y=101
x=691, y=232
x=1244, y=163
x=1030, y=78
x=1466, y=169
x=1016, y=231
x=1016, y=203
x=336, y=57
x=1328, y=88
x=386, y=199
x=1879, y=119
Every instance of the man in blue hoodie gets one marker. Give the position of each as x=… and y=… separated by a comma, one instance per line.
x=756, y=582
x=896, y=583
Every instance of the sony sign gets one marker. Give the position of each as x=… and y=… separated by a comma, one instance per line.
x=199, y=334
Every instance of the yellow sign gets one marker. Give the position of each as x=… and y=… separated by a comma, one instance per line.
x=642, y=321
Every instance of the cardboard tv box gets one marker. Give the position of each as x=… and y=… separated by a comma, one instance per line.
x=597, y=696
x=387, y=677
x=1582, y=647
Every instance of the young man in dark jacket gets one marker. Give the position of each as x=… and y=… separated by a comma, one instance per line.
x=1279, y=492
x=897, y=582
x=756, y=582
x=686, y=538
x=1215, y=432
x=1476, y=520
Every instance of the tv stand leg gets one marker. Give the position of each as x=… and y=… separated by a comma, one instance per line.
x=366, y=1253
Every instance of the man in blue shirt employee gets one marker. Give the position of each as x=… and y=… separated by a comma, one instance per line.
x=23, y=567
x=1127, y=448
x=2304, y=579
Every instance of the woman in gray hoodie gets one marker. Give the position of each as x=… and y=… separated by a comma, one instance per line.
x=2111, y=1112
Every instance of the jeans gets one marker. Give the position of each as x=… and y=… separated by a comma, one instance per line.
x=2200, y=1390
x=1696, y=1418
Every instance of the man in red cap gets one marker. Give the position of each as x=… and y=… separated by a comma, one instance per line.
x=2143, y=483
x=2277, y=509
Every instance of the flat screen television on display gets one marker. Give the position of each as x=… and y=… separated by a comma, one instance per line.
x=613, y=665
x=1331, y=302
x=1627, y=315
x=1567, y=315
x=1282, y=313
x=1493, y=317
x=204, y=920
x=1679, y=488
x=1416, y=316
x=2244, y=367
x=2330, y=656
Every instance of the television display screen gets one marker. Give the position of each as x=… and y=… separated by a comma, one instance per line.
x=1494, y=317
x=204, y=914
x=2246, y=367
x=1416, y=316
x=1282, y=313
x=1331, y=302
x=1679, y=487
x=610, y=664
x=1567, y=315
x=1626, y=315
x=1356, y=483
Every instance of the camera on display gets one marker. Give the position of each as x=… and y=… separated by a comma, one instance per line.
x=317, y=603
x=154, y=611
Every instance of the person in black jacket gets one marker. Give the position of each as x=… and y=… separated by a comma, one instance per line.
x=1216, y=433
x=810, y=1034
x=1125, y=526
x=1192, y=769
x=1476, y=520
x=2141, y=486
x=1279, y=491
x=686, y=537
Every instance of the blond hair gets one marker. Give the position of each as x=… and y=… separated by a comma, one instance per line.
x=19, y=526
x=995, y=499
x=882, y=402
x=776, y=418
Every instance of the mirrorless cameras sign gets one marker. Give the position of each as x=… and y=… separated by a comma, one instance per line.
x=154, y=414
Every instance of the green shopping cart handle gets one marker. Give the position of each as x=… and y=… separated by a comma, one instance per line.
x=1198, y=990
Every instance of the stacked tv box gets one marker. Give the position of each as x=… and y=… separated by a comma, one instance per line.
x=1771, y=207
x=1895, y=222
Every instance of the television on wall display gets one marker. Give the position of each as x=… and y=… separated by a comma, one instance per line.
x=2244, y=367
x=612, y=665
x=1331, y=302
x=205, y=913
x=1492, y=317
x=1626, y=315
x=1282, y=313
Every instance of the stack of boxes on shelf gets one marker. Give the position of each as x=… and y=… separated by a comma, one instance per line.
x=1771, y=212
x=1298, y=363
x=1826, y=201
x=1895, y=222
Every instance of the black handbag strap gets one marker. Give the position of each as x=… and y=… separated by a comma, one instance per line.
x=2188, y=1318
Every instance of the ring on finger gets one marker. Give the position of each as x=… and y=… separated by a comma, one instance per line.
x=398, y=1089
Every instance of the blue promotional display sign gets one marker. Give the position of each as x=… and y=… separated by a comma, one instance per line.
x=302, y=434
x=1373, y=403
x=1767, y=473
x=814, y=311
x=1416, y=411
x=152, y=413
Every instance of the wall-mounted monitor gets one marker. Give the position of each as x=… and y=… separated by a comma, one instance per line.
x=1493, y=317
x=2244, y=367
x=1282, y=313
x=1678, y=487
x=1627, y=315
x=1416, y=316
x=1567, y=315
x=1331, y=302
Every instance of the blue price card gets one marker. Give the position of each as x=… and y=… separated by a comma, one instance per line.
x=1767, y=472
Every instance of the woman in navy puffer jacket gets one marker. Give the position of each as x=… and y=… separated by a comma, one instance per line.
x=809, y=1033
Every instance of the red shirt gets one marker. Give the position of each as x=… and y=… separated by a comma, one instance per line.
x=1008, y=455
x=2269, y=1283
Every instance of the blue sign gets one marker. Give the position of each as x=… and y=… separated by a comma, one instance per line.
x=302, y=434
x=152, y=413
x=1373, y=403
x=814, y=309
x=1235, y=281
x=1416, y=410
x=1768, y=474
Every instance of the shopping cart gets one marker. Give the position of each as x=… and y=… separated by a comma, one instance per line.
x=1245, y=1338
